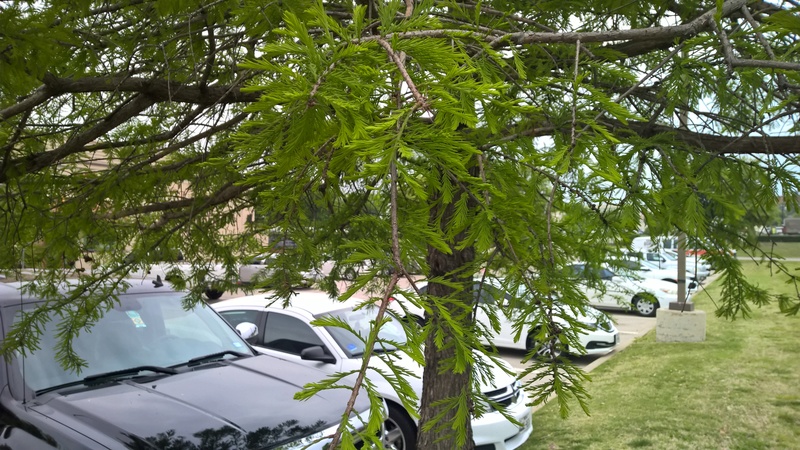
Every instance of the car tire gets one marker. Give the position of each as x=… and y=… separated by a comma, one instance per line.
x=214, y=294
x=399, y=433
x=644, y=307
x=543, y=352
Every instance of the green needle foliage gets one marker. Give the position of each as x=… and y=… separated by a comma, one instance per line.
x=438, y=138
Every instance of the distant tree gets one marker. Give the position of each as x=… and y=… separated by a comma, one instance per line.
x=451, y=135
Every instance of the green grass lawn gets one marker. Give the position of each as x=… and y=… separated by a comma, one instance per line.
x=782, y=249
x=740, y=389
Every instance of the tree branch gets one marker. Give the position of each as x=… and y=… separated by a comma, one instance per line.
x=39, y=161
x=715, y=144
x=175, y=207
x=158, y=90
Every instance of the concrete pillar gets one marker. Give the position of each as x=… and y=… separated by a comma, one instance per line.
x=680, y=326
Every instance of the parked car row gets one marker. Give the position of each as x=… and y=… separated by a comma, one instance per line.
x=214, y=275
x=638, y=269
x=288, y=333
x=262, y=266
x=664, y=254
x=598, y=335
x=624, y=292
x=254, y=271
x=186, y=375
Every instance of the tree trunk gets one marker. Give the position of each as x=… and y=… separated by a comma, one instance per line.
x=439, y=384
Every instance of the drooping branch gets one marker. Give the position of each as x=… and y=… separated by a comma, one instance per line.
x=422, y=103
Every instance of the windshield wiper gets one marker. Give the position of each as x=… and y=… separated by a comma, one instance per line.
x=109, y=376
x=215, y=356
x=375, y=350
x=128, y=372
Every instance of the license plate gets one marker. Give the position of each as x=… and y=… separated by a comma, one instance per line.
x=616, y=338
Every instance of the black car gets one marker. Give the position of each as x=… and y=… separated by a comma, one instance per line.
x=158, y=376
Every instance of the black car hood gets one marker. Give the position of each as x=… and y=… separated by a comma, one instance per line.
x=234, y=405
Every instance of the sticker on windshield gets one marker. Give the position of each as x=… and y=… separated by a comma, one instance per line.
x=351, y=347
x=237, y=344
x=136, y=319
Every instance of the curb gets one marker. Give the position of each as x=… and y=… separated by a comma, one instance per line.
x=600, y=360
x=591, y=366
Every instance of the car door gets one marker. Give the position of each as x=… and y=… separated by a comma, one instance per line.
x=488, y=298
x=493, y=296
x=619, y=290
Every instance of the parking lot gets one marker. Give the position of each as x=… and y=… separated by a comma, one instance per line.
x=629, y=325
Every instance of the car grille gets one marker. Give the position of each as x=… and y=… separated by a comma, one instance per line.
x=506, y=396
x=599, y=344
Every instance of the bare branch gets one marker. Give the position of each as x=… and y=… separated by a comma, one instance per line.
x=38, y=97
x=221, y=196
x=765, y=64
x=422, y=103
x=157, y=89
x=36, y=162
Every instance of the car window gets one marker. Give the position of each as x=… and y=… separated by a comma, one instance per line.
x=237, y=316
x=360, y=321
x=482, y=294
x=289, y=334
x=578, y=269
x=485, y=293
x=606, y=274
x=584, y=271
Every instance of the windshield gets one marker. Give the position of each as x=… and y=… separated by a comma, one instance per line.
x=360, y=321
x=649, y=265
x=142, y=330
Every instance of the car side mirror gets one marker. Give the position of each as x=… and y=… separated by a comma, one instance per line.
x=248, y=331
x=316, y=353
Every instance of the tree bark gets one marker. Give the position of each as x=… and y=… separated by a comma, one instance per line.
x=440, y=382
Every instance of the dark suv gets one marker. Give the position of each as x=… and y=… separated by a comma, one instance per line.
x=158, y=376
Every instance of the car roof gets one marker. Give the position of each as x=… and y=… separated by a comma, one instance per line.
x=10, y=293
x=312, y=302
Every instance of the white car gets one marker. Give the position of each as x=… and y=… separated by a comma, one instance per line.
x=261, y=267
x=639, y=268
x=598, y=337
x=643, y=296
x=669, y=259
x=287, y=333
